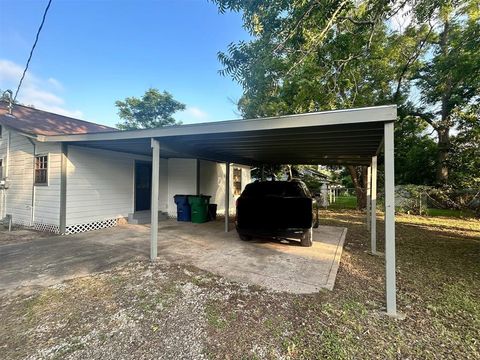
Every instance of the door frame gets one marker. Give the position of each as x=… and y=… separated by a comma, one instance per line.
x=135, y=162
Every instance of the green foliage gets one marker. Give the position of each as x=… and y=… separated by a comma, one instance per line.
x=449, y=79
x=307, y=173
x=312, y=182
x=436, y=201
x=411, y=199
x=415, y=151
x=465, y=154
x=320, y=55
x=154, y=109
x=276, y=171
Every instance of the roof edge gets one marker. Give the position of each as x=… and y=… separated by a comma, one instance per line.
x=383, y=113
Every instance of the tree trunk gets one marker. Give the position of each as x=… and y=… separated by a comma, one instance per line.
x=443, y=127
x=442, y=157
x=359, y=179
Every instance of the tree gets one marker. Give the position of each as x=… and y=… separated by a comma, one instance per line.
x=415, y=152
x=450, y=80
x=154, y=109
x=322, y=54
x=465, y=150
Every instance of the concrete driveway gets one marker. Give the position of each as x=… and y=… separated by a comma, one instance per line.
x=29, y=260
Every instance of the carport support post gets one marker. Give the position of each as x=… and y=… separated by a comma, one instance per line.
x=227, y=195
x=369, y=197
x=154, y=206
x=373, y=223
x=390, y=220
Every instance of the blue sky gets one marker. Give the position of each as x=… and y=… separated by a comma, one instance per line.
x=92, y=53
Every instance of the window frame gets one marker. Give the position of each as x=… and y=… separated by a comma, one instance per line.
x=35, y=183
x=238, y=170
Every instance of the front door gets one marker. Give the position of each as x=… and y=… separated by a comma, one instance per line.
x=143, y=185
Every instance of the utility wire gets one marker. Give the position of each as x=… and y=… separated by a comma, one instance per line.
x=31, y=51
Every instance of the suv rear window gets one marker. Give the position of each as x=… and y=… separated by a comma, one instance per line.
x=276, y=188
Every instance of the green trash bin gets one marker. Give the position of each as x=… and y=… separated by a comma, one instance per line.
x=199, y=208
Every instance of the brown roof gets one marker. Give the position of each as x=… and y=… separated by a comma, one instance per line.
x=38, y=122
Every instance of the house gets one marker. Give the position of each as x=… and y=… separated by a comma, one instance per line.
x=104, y=186
x=85, y=176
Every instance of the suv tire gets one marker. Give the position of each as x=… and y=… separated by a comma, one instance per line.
x=245, y=237
x=307, y=238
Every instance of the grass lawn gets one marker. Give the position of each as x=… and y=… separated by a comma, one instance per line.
x=343, y=202
x=176, y=312
x=451, y=213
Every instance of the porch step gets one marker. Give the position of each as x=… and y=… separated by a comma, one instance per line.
x=144, y=217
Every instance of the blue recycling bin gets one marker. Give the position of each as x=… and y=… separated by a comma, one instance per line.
x=183, y=208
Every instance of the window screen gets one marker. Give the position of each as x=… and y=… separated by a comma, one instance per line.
x=237, y=181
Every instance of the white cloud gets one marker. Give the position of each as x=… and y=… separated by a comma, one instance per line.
x=41, y=93
x=194, y=114
x=55, y=83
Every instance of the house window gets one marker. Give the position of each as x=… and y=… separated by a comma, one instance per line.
x=1, y=168
x=1, y=128
x=41, y=169
x=237, y=181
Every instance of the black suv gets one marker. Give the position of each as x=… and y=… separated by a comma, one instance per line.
x=276, y=209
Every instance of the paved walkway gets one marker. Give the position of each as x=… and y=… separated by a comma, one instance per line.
x=28, y=260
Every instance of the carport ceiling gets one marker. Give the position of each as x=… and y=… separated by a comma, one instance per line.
x=349, y=137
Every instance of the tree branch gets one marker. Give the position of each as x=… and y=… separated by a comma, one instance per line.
x=409, y=62
x=321, y=35
x=356, y=22
x=292, y=31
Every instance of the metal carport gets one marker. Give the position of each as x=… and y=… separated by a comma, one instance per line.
x=339, y=137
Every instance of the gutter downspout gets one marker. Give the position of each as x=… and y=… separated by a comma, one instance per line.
x=33, y=182
x=5, y=175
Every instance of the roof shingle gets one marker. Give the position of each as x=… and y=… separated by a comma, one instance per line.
x=38, y=122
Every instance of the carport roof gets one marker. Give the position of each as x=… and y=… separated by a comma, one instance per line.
x=348, y=137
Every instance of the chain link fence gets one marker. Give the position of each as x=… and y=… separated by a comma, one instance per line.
x=417, y=200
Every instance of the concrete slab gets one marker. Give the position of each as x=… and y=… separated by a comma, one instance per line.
x=282, y=267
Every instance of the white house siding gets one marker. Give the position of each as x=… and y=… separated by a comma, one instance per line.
x=47, y=198
x=163, y=186
x=182, y=179
x=100, y=188
x=212, y=182
x=37, y=206
x=20, y=176
x=3, y=156
x=100, y=184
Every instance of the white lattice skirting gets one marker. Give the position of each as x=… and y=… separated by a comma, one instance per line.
x=37, y=226
x=46, y=227
x=21, y=222
x=96, y=225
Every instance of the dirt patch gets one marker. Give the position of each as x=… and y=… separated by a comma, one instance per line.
x=21, y=234
x=167, y=311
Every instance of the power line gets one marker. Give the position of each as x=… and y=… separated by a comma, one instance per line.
x=31, y=51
